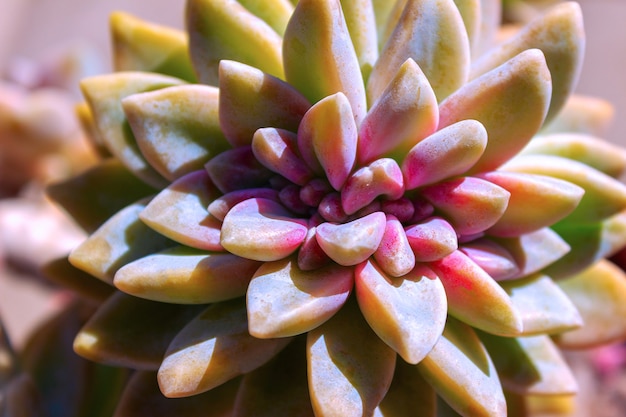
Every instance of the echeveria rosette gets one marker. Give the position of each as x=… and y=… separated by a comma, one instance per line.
x=354, y=189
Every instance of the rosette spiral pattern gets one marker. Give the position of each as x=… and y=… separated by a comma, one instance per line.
x=348, y=208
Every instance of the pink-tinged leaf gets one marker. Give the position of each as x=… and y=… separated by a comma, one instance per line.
x=402, y=208
x=405, y=113
x=475, y=298
x=220, y=207
x=583, y=114
x=352, y=243
x=251, y=99
x=344, y=378
x=599, y=294
x=510, y=101
x=408, y=313
x=183, y=275
x=283, y=300
x=559, y=34
x=180, y=212
x=498, y=262
x=470, y=204
x=361, y=22
x=224, y=29
x=380, y=178
x=262, y=230
x=449, y=152
x=327, y=139
x=460, y=370
x=394, y=254
x=177, y=128
x=311, y=255
x=212, y=349
x=120, y=240
x=419, y=35
x=543, y=306
x=104, y=94
x=536, y=201
x=277, y=150
x=237, y=169
x=598, y=153
x=432, y=239
x=330, y=208
x=314, y=191
x=316, y=42
x=289, y=196
x=604, y=196
x=534, y=251
x=530, y=365
x=408, y=391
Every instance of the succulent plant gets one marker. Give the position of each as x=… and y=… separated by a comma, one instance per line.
x=347, y=208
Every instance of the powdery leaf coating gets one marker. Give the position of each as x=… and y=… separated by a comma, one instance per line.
x=475, y=297
x=225, y=30
x=460, y=370
x=250, y=99
x=104, y=94
x=327, y=139
x=176, y=128
x=498, y=262
x=277, y=150
x=213, y=348
x=603, y=284
x=262, y=230
x=237, y=169
x=536, y=201
x=510, y=101
x=472, y=205
x=380, y=178
x=180, y=212
x=220, y=206
x=317, y=41
x=339, y=384
x=408, y=313
x=394, y=254
x=471, y=14
x=432, y=33
x=543, y=306
x=142, y=46
x=353, y=242
x=446, y=153
x=283, y=300
x=405, y=113
x=432, y=239
x=183, y=275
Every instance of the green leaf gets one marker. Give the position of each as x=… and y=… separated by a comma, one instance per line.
x=359, y=15
x=409, y=394
x=275, y=13
x=61, y=272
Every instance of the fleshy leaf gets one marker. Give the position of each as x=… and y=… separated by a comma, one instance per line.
x=61, y=272
x=220, y=207
x=432, y=239
x=251, y=99
x=559, y=34
x=380, y=178
x=599, y=293
x=104, y=94
x=394, y=254
x=471, y=13
x=237, y=169
x=405, y=113
x=98, y=193
x=582, y=114
x=143, y=46
x=284, y=300
x=111, y=334
x=462, y=373
x=408, y=391
x=470, y=204
x=418, y=35
x=186, y=276
x=543, y=306
x=448, y=152
x=224, y=29
x=339, y=384
x=177, y=128
x=408, y=313
x=212, y=349
x=122, y=239
x=311, y=256
x=602, y=155
x=497, y=261
x=530, y=365
x=604, y=196
x=277, y=150
x=180, y=212
x=353, y=242
x=327, y=138
x=142, y=397
x=262, y=230
x=275, y=13
x=490, y=23
x=475, y=298
x=361, y=22
x=536, y=201
x=316, y=42
x=510, y=101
